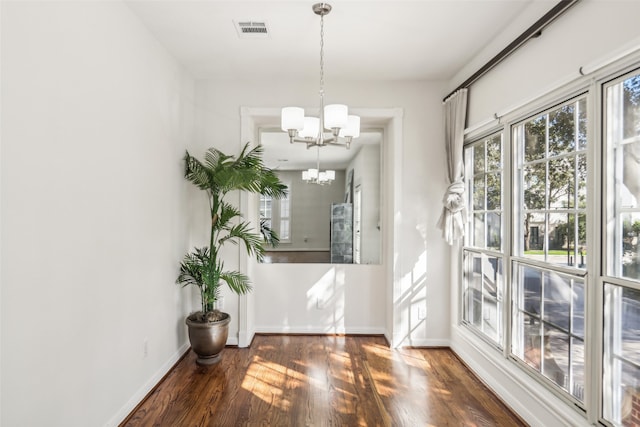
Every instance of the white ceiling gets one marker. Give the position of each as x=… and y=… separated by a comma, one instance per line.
x=364, y=40
x=372, y=40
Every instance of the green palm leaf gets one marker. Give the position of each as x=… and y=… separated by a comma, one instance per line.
x=218, y=175
x=237, y=282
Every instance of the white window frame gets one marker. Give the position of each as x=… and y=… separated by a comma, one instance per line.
x=517, y=258
x=504, y=122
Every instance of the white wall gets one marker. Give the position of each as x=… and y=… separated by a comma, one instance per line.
x=95, y=119
x=588, y=33
x=283, y=293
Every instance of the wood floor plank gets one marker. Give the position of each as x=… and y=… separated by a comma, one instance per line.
x=323, y=381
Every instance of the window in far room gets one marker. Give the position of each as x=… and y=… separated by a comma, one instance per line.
x=276, y=214
x=265, y=210
x=284, y=231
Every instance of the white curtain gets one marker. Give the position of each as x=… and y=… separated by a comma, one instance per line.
x=454, y=212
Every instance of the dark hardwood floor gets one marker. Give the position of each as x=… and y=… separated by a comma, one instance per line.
x=323, y=381
x=275, y=257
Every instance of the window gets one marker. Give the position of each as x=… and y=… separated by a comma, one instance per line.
x=483, y=281
x=484, y=160
x=621, y=358
x=534, y=236
x=553, y=185
x=549, y=264
x=277, y=216
x=548, y=325
x=265, y=210
x=563, y=294
x=285, y=217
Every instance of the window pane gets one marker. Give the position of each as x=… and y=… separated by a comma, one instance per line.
x=534, y=182
x=494, y=154
x=581, y=243
x=265, y=208
x=532, y=290
x=562, y=132
x=622, y=355
x=483, y=289
x=284, y=229
x=582, y=180
x=284, y=207
x=494, y=231
x=534, y=139
x=534, y=238
x=630, y=248
x=478, y=192
x=630, y=325
x=577, y=318
x=544, y=304
x=622, y=131
x=473, y=289
x=631, y=107
x=532, y=338
x=478, y=227
x=561, y=231
x=478, y=159
x=630, y=187
x=557, y=299
x=577, y=367
x=553, y=191
x=484, y=183
x=556, y=356
x=561, y=183
x=494, y=191
x=582, y=124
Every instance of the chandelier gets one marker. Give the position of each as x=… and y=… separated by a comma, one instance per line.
x=334, y=117
x=316, y=176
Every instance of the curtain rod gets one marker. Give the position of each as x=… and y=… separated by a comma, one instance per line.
x=533, y=31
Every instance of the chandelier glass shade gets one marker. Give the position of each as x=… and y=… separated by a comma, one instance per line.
x=316, y=176
x=334, y=118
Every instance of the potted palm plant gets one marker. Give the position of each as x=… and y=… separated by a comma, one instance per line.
x=218, y=175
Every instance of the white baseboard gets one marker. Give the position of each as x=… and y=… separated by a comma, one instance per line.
x=426, y=342
x=401, y=340
x=245, y=338
x=146, y=388
x=319, y=331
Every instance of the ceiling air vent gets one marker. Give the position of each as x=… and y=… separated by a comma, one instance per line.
x=252, y=29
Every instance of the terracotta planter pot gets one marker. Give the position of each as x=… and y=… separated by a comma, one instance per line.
x=208, y=339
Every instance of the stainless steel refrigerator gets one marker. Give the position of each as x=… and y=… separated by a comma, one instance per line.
x=342, y=233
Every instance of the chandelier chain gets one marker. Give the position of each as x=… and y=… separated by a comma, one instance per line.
x=321, y=54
